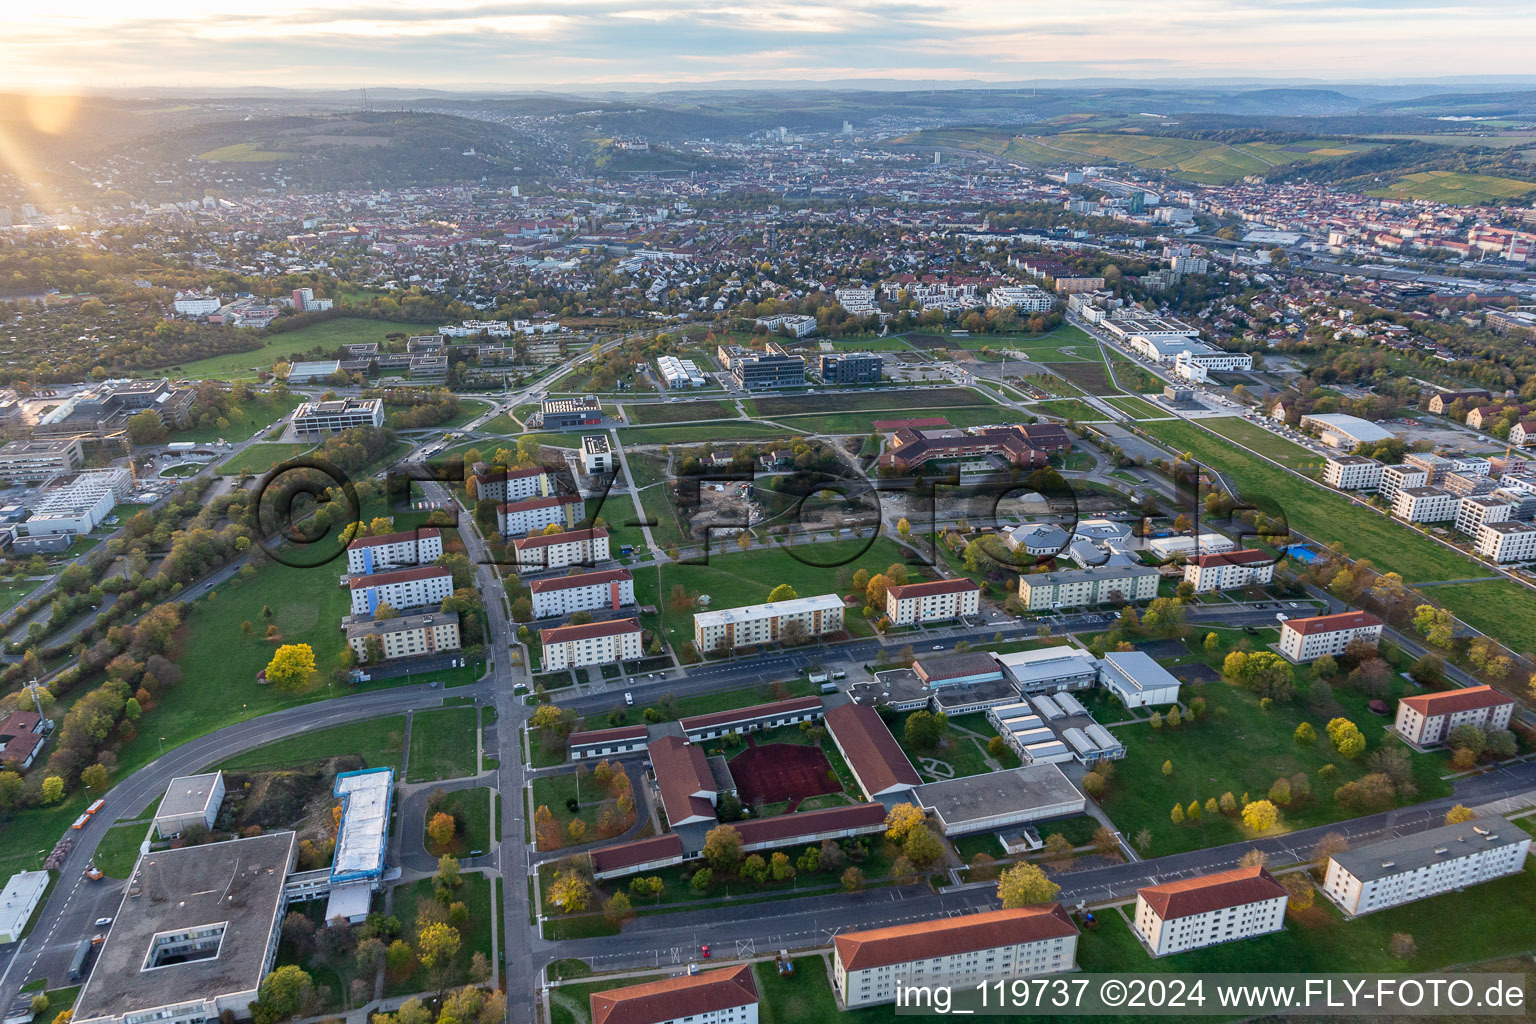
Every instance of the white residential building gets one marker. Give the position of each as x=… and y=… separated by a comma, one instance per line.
x=727, y=996
x=401, y=589
x=421, y=546
x=577, y=547
x=405, y=636
x=1398, y=478
x=960, y=952
x=1425, y=505
x=596, y=454
x=1230, y=571
x=1428, y=718
x=317, y=419
x=1209, y=910
x=1078, y=588
x=502, y=484
x=195, y=304
x=932, y=601
x=767, y=623
x=1352, y=473
x=594, y=643
x=1304, y=640
x=1507, y=541
x=532, y=514
x=610, y=589
x=1025, y=298
x=1475, y=511
x=1415, y=867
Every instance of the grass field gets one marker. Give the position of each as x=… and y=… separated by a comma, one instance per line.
x=1457, y=187
x=245, y=153
x=1193, y=159
x=725, y=430
x=477, y=896
x=379, y=741
x=1252, y=436
x=278, y=347
x=1092, y=377
x=259, y=458
x=916, y=398
x=119, y=850
x=443, y=744
x=863, y=422
x=473, y=809
x=554, y=790
x=669, y=412
x=1138, y=408
x=256, y=414
x=1069, y=408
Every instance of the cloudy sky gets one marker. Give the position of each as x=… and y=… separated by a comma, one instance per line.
x=488, y=43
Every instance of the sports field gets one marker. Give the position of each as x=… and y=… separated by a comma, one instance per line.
x=782, y=771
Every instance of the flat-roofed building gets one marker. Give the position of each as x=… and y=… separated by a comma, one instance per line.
x=1308, y=639
x=401, y=589
x=197, y=932
x=498, y=483
x=596, y=454
x=40, y=460
x=80, y=505
x=188, y=801
x=960, y=952
x=317, y=419
x=1352, y=473
x=594, y=643
x=559, y=550
x=941, y=671
x=1398, y=478
x=1230, y=571
x=1137, y=680
x=878, y=764
x=1424, y=505
x=1405, y=869
x=405, y=636
x=1078, y=588
x=726, y=996
x=1191, y=547
x=515, y=518
x=760, y=371
x=421, y=546
x=560, y=413
x=1209, y=910
x=768, y=623
x=1475, y=511
x=1050, y=669
x=1340, y=430
x=608, y=589
x=1428, y=718
x=23, y=892
x=1507, y=541
x=993, y=800
x=851, y=368
x=932, y=601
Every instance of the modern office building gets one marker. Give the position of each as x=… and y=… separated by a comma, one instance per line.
x=1230, y=571
x=1304, y=640
x=80, y=505
x=318, y=419
x=405, y=636
x=773, y=622
x=960, y=952
x=1078, y=588
x=1001, y=799
x=609, y=589
x=594, y=643
x=1415, y=867
x=931, y=601
x=531, y=515
x=37, y=461
x=562, y=413
x=762, y=371
x=559, y=550
x=679, y=373
x=1209, y=910
x=103, y=410
x=401, y=589
x=851, y=368
x=421, y=546
x=1425, y=719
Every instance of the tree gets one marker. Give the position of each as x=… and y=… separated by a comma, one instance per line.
x=1402, y=945
x=1254, y=858
x=1025, y=885
x=1467, y=737
x=1298, y=889
x=147, y=428
x=442, y=828
x=1280, y=792
x=1212, y=807
x=286, y=992
x=1174, y=719
x=780, y=867
x=569, y=893
x=1167, y=768
x=1346, y=736
x=1458, y=814
x=782, y=592
x=576, y=829
x=1305, y=734
x=1330, y=844
x=903, y=527
x=1177, y=814
x=1212, y=642
x=617, y=909
x=291, y=668
x=437, y=944
x=702, y=879
x=650, y=885
x=722, y=847
x=852, y=880
x=1260, y=815
x=447, y=876
x=1144, y=840
x=1193, y=812
x=95, y=777
x=1105, y=842
x=1228, y=803
x=53, y=789
x=755, y=869
x=902, y=820
x=1156, y=720
x=924, y=729
x=399, y=957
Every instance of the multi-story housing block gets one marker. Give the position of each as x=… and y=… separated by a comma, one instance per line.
x=1209, y=910
x=809, y=617
x=609, y=589
x=532, y=514
x=1077, y=588
x=1304, y=640
x=406, y=636
x=1428, y=718
x=1507, y=541
x=594, y=643
x=1414, y=867
x=1230, y=570
x=394, y=550
x=558, y=550
x=931, y=601
x=401, y=589
x=1352, y=473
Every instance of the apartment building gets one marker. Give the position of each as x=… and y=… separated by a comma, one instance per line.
x=406, y=636
x=421, y=546
x=498, y=483
x=594, y=643
x=317, y=419
x=1209, y=910
x=1428, y=718
x=1352, y=473
x=532, y=514
x=961, y=952
x=1425, y=505
x=1230, y=570
x=810, y=617
x=1026, y=298
x=1474, y=512
x=727, y=996
x=610, y=589
x=1507, y=541
x=596, y=454
x=401, y=589
x=931, y=601
x=799, y=326
x=558, y=550
x=1077, y=588
x=1465, y=485
x=37, y=461
x=1304, y=640
x=1415, y=867
x=1398, y=478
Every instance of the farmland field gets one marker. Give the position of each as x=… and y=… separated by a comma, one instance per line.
x=922, y=398
x=279, y=347
x=668, y=412
x=1457, y=187
x=1251, y=435
x=245, y=153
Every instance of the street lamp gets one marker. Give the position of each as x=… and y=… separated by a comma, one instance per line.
x=162, y=746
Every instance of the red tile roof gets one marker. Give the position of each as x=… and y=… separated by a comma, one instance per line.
x=541, y=541
x=1452, y=701
x=687, y=995
x=641, y=851
x=588, y=630
x=1235, y=888
x=682, y=772
x=931, y=588
x=581, y=579
x=1332, y=623
x=1247, y=556
x=784, y=829
x=394, y=538
x=747, y=714
x=922, y=940
x=872, y=752
x=379, y=579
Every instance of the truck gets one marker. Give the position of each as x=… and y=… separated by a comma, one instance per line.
x=180, y=446
x=77, y=963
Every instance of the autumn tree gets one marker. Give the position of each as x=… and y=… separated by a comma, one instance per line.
x=1025, y=885
x=722, y=847
x=569, y=893
x=1299, y=892
x=442, y=828
x=1458, y=814
x=291, y=668
x=1260, y=815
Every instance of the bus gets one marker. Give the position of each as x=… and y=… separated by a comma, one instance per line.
x=98, y=805
x=77, y=965
x=80, y=821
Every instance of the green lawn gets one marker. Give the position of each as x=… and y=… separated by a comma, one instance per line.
x=279, y=347
x=553, y=791
x=672, y=412
x=259, y=458
x=119, y=850
x=1068, y=408
x=1139, y=408
x=244, y=420
x=473, y=809
x=443, y=744
x=731, y=430
x=475, y=893
x=16, y=590
x=1251, y=435
x=961, y=753
x=379, y=741
x=863, y=422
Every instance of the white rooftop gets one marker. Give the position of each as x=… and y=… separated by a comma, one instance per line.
x=1046, y=663
x=364, y=829
x=746, y=613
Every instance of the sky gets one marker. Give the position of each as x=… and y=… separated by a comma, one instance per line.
x=638, y=43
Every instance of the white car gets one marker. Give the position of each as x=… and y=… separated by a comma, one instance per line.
x=629, y=698
x=102, y=922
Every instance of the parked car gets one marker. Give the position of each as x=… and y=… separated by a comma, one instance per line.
x=629, y=698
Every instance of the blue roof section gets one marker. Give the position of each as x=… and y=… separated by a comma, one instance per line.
x=363, y=833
